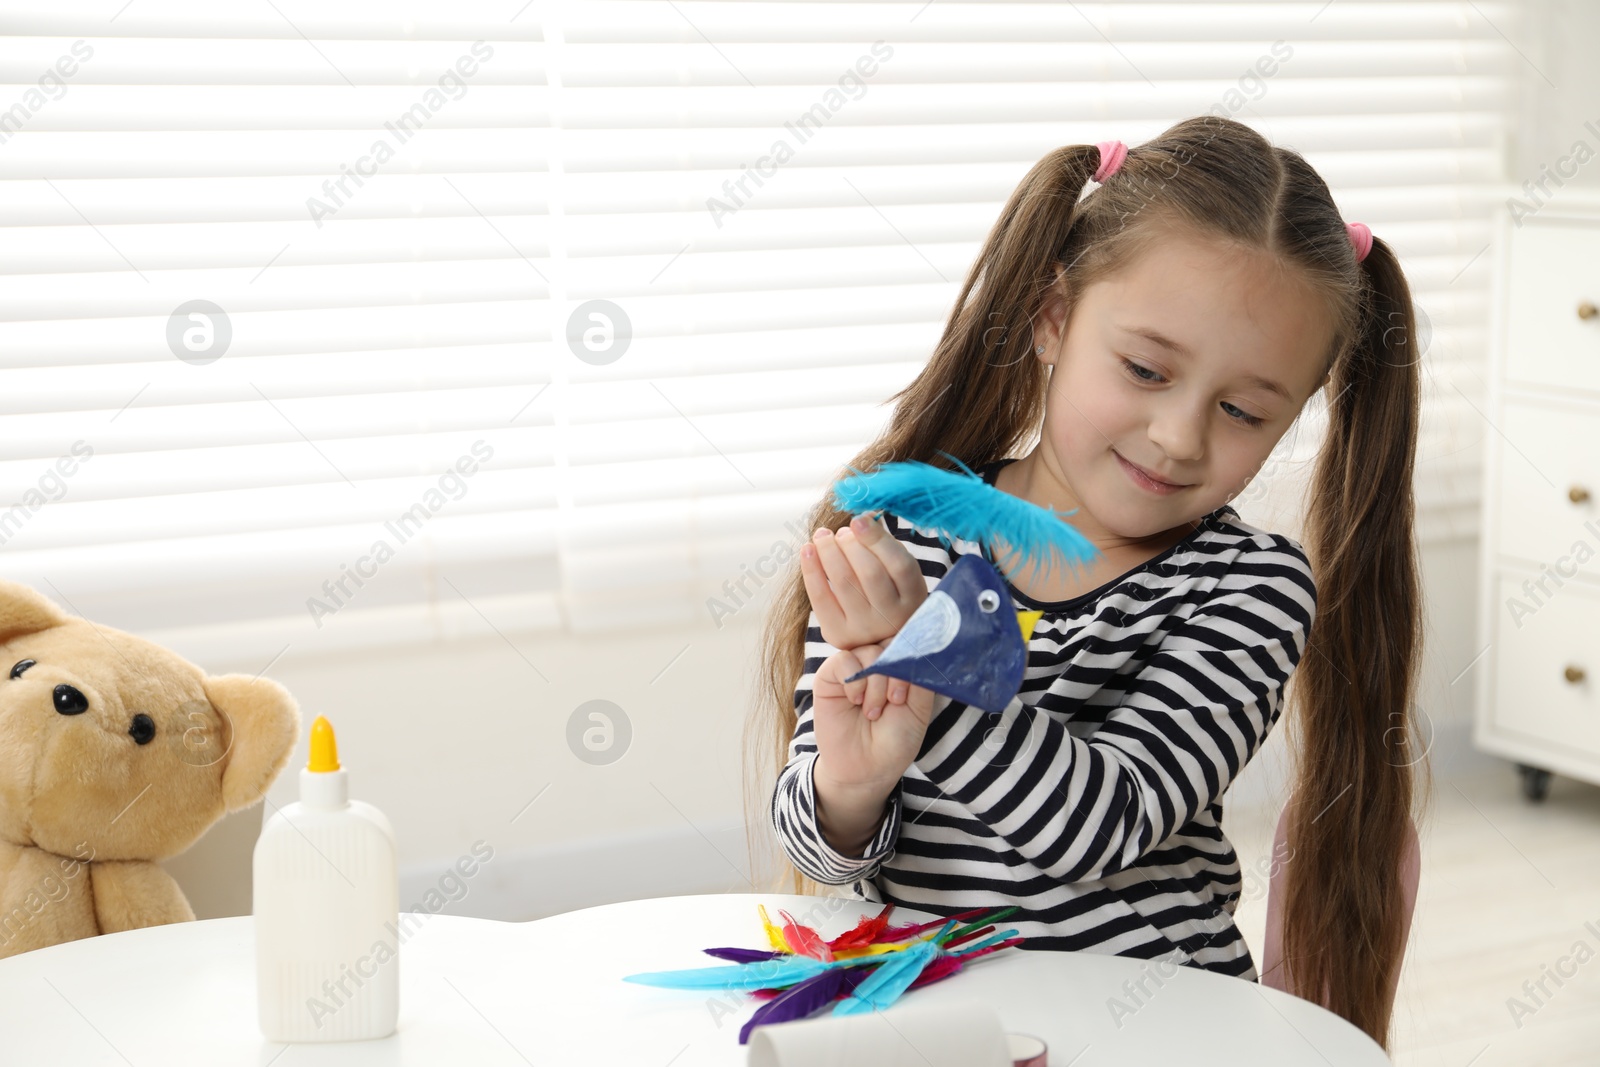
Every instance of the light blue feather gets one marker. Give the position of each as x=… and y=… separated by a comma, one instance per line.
x=759, y=974
x=765, y=974
x=884, y=986
x=965, y=506
x=994, y=939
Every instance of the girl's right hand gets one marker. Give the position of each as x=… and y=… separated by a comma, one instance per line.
x=861, y=750
x=862, y=582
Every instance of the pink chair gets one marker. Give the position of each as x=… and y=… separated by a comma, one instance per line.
x=1272, y=973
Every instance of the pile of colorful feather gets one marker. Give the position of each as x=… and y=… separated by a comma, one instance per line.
x=863, y=969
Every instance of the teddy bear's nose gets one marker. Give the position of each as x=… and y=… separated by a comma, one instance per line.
x=69, y=701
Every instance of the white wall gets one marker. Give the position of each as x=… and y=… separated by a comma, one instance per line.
x=1561, y=90
x=452, y=742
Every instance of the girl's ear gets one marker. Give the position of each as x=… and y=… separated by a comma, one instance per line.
x=1049, y=332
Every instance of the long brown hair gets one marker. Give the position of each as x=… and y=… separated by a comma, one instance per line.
x=981, y=398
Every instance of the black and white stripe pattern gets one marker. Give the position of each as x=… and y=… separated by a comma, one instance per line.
x=1094, y=800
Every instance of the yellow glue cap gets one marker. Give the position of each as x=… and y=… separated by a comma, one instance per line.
x=324, y=749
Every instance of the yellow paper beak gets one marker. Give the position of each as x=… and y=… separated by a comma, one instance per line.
x=1026, y=619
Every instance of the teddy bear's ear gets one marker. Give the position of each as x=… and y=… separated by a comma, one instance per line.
x=264, y=722
x=26, y=611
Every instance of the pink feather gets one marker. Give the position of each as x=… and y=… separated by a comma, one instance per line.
x=804, y=940
x=900, y=933
x=992, y=948
x=943, y=967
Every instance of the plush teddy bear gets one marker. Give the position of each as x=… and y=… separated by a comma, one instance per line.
x=115, y=753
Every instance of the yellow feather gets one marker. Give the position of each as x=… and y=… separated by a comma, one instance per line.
x=864, y=950
x=880, y=949
x=774, y=934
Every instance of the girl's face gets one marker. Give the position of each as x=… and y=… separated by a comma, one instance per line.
x=1189, y=362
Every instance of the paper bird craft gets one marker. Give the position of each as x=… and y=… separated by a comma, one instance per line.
x=863, y=969
x=959, y=643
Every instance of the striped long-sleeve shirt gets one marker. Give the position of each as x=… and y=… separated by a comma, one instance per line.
x=1093, y=801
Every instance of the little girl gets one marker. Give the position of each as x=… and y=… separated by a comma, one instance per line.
x=1152, y=341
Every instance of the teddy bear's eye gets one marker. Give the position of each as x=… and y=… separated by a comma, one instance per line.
x=988, y=601
x=143, y=729
x=22, y=665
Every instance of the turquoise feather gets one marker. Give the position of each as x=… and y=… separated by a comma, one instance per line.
x=766, y=974
x=965, y=506
x=761, y=974
x=993, y=939
x=884, y=986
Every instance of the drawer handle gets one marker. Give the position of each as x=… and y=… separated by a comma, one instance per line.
x=1587, y=310
x=1574, y=674
x=1577, y=494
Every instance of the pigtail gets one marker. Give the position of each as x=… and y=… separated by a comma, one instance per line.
x=985, y=362
x=980, y=396
x=1350, y=823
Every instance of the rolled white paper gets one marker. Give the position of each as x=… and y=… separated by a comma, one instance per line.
x=1028, y=1051
x=906, y=1035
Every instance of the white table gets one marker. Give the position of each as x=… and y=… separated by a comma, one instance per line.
x=550, y=992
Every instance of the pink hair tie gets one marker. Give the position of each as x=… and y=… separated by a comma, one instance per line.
x=1360, y=238
x=1112, y=153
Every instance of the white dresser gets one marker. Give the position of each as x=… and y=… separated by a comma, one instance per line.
x=1539, y=567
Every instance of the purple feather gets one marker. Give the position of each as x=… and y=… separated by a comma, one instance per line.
x=805, y=998
x=744, y=955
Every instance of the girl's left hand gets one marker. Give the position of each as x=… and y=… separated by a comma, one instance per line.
x=870, y=730
x=863, y=583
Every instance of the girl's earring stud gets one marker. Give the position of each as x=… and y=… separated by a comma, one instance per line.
x=1040, y=350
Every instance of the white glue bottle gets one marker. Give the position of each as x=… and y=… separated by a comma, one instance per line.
x=327, y=908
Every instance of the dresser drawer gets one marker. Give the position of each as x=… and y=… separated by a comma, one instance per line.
x=1534, y=655
x=1555, y=271
x=1550, y=486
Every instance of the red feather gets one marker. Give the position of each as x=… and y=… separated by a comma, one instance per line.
x=865, y=931
x=992, y=948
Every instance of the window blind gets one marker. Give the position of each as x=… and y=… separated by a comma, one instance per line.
x=330, y=324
